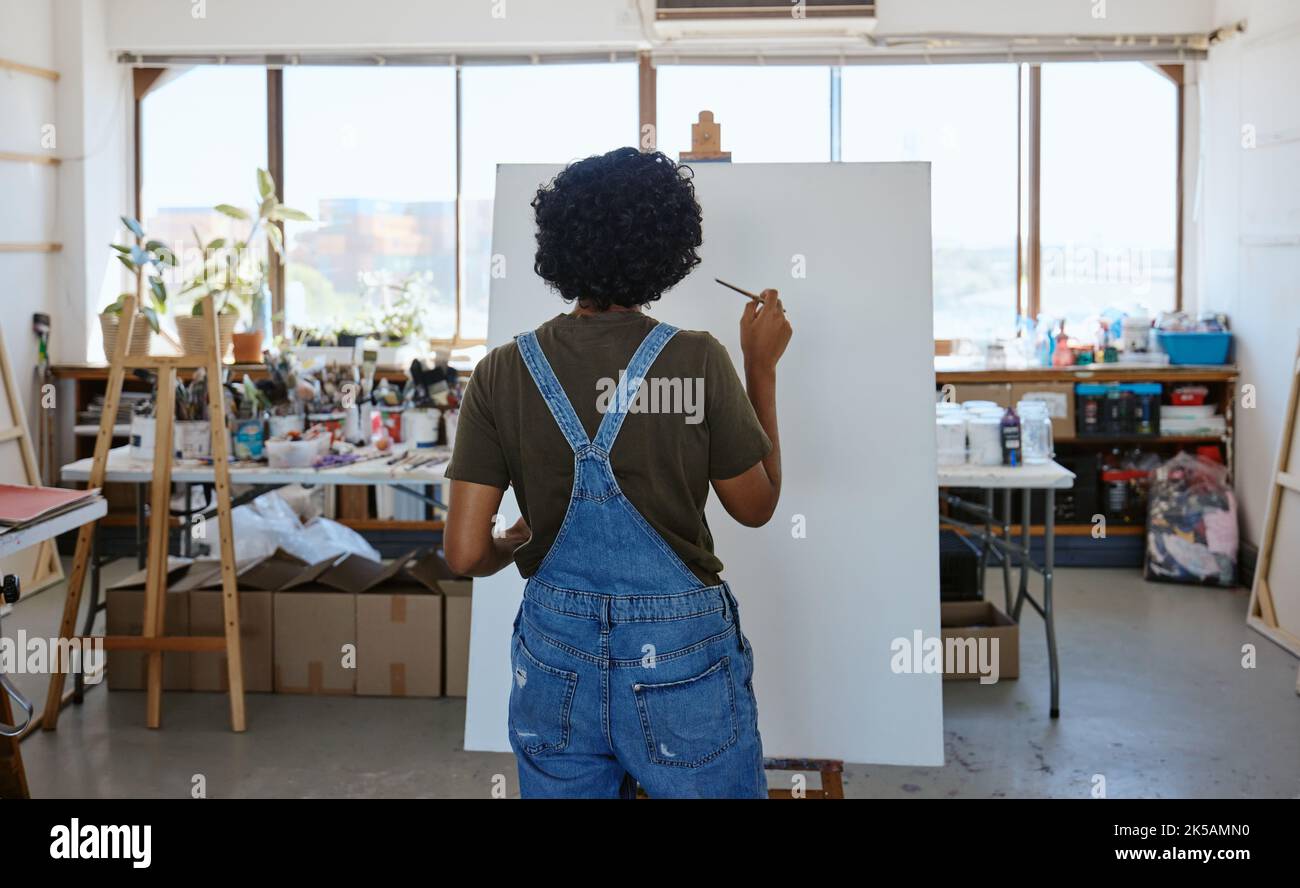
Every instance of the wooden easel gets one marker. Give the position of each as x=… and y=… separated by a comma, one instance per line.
x=1262, y=614
x=706, y=141
x=152, y=640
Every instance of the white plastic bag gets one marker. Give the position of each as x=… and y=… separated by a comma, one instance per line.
x=269, y=523
x=321, y=538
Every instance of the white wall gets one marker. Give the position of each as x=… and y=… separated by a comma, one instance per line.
x=1248, y=224
x=349, y=25
x=28, y=192
x=95, y=184
x=159, y=26
x=1042, y=17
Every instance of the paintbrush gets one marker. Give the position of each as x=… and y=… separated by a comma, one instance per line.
x=753, y=296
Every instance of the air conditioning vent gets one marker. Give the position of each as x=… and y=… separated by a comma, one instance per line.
x=697, y=10
x=716, y=22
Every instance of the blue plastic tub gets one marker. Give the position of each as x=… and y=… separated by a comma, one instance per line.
x=1195, y=348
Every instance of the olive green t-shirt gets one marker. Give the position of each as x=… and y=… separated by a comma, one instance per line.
x=664, y=456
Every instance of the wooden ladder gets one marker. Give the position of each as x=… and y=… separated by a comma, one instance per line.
x=153, y=641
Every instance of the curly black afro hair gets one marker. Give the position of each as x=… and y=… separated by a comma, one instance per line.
x=617, y=229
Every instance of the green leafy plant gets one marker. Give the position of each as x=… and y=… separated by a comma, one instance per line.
x=402, y=315
x=253, y=400
x=225, y=270
x=147, y=260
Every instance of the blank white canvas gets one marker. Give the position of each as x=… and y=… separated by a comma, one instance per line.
x=848, y=246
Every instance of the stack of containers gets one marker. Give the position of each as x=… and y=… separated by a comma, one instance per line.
x=984, y=429
x=950, y=426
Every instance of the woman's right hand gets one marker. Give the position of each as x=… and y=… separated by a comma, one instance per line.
x=764, y=332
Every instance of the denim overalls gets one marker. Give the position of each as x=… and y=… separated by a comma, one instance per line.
x=625, y=669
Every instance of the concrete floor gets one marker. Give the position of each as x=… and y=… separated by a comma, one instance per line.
x=1153, y=697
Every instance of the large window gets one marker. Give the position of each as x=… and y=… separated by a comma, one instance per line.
x=771, y=114
x=530, y=114
x=370, y=155
x=1110, y=137
x=962, y=119
x=202, y=139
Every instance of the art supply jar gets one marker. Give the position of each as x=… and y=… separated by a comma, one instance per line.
x=950, y=429
x=1035, y=432
x=249, y=436
x=421, y=427
x=142, y=432
x=984, y=431
x=280, y=425
x=192, y=438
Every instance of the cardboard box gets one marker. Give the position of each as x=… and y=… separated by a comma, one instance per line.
x=316, y=616
x=1059, y=397
x=997, y=392
x=125, y=602
x=970, y=621
x=458, y=597
x=399, y=643
x=312, y=626
x=208, y=670
x=399, y=625
x=255, y=579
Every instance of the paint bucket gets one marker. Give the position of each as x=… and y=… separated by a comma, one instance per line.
x=142, y=435
x=281, y=426
x=249, y=437
x=193, y=439
x=392, y=420
x=421, y=428
x=951, y=438
x=984, y=429
x=332, y=421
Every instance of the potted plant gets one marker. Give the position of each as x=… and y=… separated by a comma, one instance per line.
x=254, y=295
x=400, y=321
x=215, y=277
x=146, y=259
x=224, y=272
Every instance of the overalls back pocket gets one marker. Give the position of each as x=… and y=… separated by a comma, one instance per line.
x=691, y=722
x=541, y=697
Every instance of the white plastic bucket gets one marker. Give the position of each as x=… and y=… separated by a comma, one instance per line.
x=142, y=435
x=193, y=439
x=421, y=428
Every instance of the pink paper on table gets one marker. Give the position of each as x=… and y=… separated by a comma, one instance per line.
x=20, y=503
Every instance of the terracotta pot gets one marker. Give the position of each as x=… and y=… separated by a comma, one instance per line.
x=190, y=331
x=141, y=335
x=248, y=347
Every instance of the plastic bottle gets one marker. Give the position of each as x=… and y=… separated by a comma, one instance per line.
x=1010, y=438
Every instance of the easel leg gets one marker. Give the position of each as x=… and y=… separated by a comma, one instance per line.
x=68, y=624
x=13, y=777
x=155, y=594
x=226, y=531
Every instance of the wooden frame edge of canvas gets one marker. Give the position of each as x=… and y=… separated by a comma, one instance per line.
x=1260, y=614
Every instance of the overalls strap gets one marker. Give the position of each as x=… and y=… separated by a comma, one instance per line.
x=630, y=383
x=551, y=390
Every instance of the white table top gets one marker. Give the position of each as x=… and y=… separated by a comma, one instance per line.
x=1037, y=477
x=16, y=540
x=122, y=468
